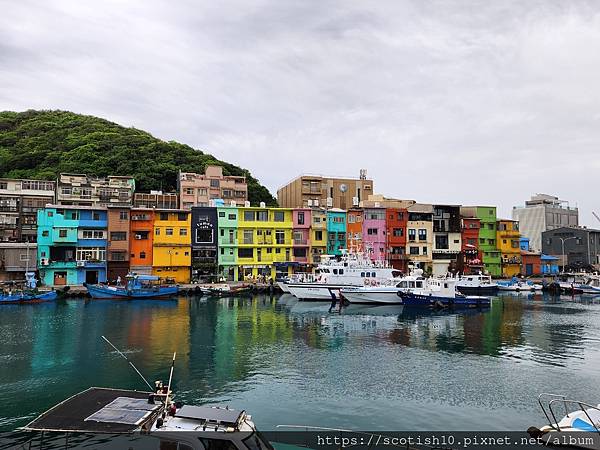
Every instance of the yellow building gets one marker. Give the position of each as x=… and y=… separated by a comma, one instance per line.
x=171, y=245
x=507, y=241
x=419, y=235
x=264, y=241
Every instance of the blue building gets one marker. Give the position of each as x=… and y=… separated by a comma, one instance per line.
x=336, y=231
x=549, y=265
x=524, y=243
x=72, y=245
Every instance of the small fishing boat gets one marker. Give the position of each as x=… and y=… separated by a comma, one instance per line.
x=579, y=417
x=516, y=285
x=24, y=296
x=476, y=284
x=136, y=287
x=153, y=414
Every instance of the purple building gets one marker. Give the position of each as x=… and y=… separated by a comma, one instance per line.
x=373, y=234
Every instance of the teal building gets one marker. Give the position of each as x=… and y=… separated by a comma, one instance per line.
x=72, y=245
x=336, y=231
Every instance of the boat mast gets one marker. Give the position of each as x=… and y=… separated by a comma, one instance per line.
x=170, y=379
x=130, y=363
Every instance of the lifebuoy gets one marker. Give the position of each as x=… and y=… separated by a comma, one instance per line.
x=366, y=282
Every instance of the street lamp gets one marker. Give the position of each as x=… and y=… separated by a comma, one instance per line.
x=562, y=240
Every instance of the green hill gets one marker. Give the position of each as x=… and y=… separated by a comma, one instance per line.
x=41, y=144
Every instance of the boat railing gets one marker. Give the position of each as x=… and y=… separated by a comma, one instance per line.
x=557, y=399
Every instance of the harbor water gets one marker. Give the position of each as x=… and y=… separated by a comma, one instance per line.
x=290, y=362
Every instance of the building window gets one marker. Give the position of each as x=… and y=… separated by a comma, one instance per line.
x=118, y=236
x=372, y=231
x=301, y=218
x=96, y=216
x=245, y=253
x=169, y=231
x=183, y=232
x=182, y=217
x=424, y=250
x=318, y=235
x=214, y=183
x=231, y=217
x=398, y=232
x=262, y=216
x=117, y=256
x=422, y=234
x=123, y=215
x=189, y=191
x=142, y=255
x=278, y=216
x=279, y=237
x=222, y=214
x=400, y=216
x=412, y=234
x=414, y=250
x=164, y=216
x=249, y=216
x=91, y=254
x=157, y=231
x=248, y=237
x=62, y=233
x=45, y=233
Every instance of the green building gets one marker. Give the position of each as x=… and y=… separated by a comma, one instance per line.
x=227, y=242
x=492, y=260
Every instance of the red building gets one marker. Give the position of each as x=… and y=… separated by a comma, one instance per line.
x=472, y=255
x=395, y=224
x=531, y=263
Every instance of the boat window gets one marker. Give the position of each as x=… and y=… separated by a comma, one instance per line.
x=403, y=284
x=396, y=273
x=411, y=284
x=446, y=285
x=362, y=274
x=171, y=445
x=256, y=442
x=217, y=444
x=368, y=274
x=335, y=271
x=373, y=274
x=341, y=271
x=419, y=284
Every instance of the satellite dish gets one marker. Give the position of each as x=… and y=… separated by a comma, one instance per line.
x=343, y=188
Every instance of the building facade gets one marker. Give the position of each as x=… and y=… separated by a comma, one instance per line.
x=354, y=228
x=395, y=223
x=318, y=234
x=156, y=199
x=20, y=201
x=508, y=242
x=492, y=260
x=171, y=245
x=419, y=235
x=141, y=236
x=72, y=245
x=575, y=247
x=82, y=190
x=301, y=252
x=336, y=231
x=17, y=258
x=227, y=223
x=447, y=239
x=374, y=234
x=205, y=236
x=118, y=242
x=199, y=189
x=325, y=192
x=542, y=213
x=264, y=242
x=472, y=262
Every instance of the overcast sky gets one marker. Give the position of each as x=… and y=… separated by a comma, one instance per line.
x=463, y=102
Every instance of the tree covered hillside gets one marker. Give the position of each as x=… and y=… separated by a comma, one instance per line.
x=41, y=144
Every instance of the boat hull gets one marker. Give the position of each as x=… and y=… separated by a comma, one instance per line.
x=477, y=290
x=315, y=291
x=110, y=292
x=28, y=298
x=380, y=297
x=421, y=300
x=283, y=286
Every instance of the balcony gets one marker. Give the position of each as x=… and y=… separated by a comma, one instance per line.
x=227, y=259
x=300, y=241
x=398, y=257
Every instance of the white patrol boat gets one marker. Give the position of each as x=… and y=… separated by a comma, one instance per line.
x=387, y=293
x=353, y=270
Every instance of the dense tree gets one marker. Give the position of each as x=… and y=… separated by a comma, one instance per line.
x=42, y=144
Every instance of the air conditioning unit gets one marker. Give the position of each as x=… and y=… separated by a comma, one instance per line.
x=138, y=237
x=262, y=204
x=80, y=263
x=329, y=202
x=247, y=204
x=354, y=201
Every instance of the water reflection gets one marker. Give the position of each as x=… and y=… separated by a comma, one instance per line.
x=241, y=350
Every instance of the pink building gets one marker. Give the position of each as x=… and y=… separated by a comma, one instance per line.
x=198, y=189
x=373, y=233
x=302, y=221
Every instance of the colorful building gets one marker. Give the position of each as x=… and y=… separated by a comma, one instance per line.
x=171, y=245
x=447, y=239
x=419, y=242
x=199, y=189
x=72, y=245
x=336, y=231
x=205, y=235
x=302, y=220
x=487, y=237
x=507, y=239
x=118, y=242
x=374, y=234
x=472, y=255
x=264, y=242
x=227, y=224
x=531, y=263
x=396, y=220
x=141, y=237
x=354, y=229
x=318, y=234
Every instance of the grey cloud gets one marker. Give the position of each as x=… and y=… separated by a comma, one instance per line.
x=461, y=102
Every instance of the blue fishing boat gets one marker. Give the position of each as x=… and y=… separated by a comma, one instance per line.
x=136, y=287
x=443, y=301
x=24, y=296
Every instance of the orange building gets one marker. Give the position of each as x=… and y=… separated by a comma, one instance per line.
x=395, y=224
x=354, y=229
x=142, y=225
x=118, y=242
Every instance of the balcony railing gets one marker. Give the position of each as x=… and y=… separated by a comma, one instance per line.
x=300, y=241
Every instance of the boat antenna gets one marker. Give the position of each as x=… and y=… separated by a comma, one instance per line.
x=130, y=363
x=170, y=379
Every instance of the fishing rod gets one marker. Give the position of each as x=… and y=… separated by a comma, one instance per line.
x=131, y=364
x=167, y=400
